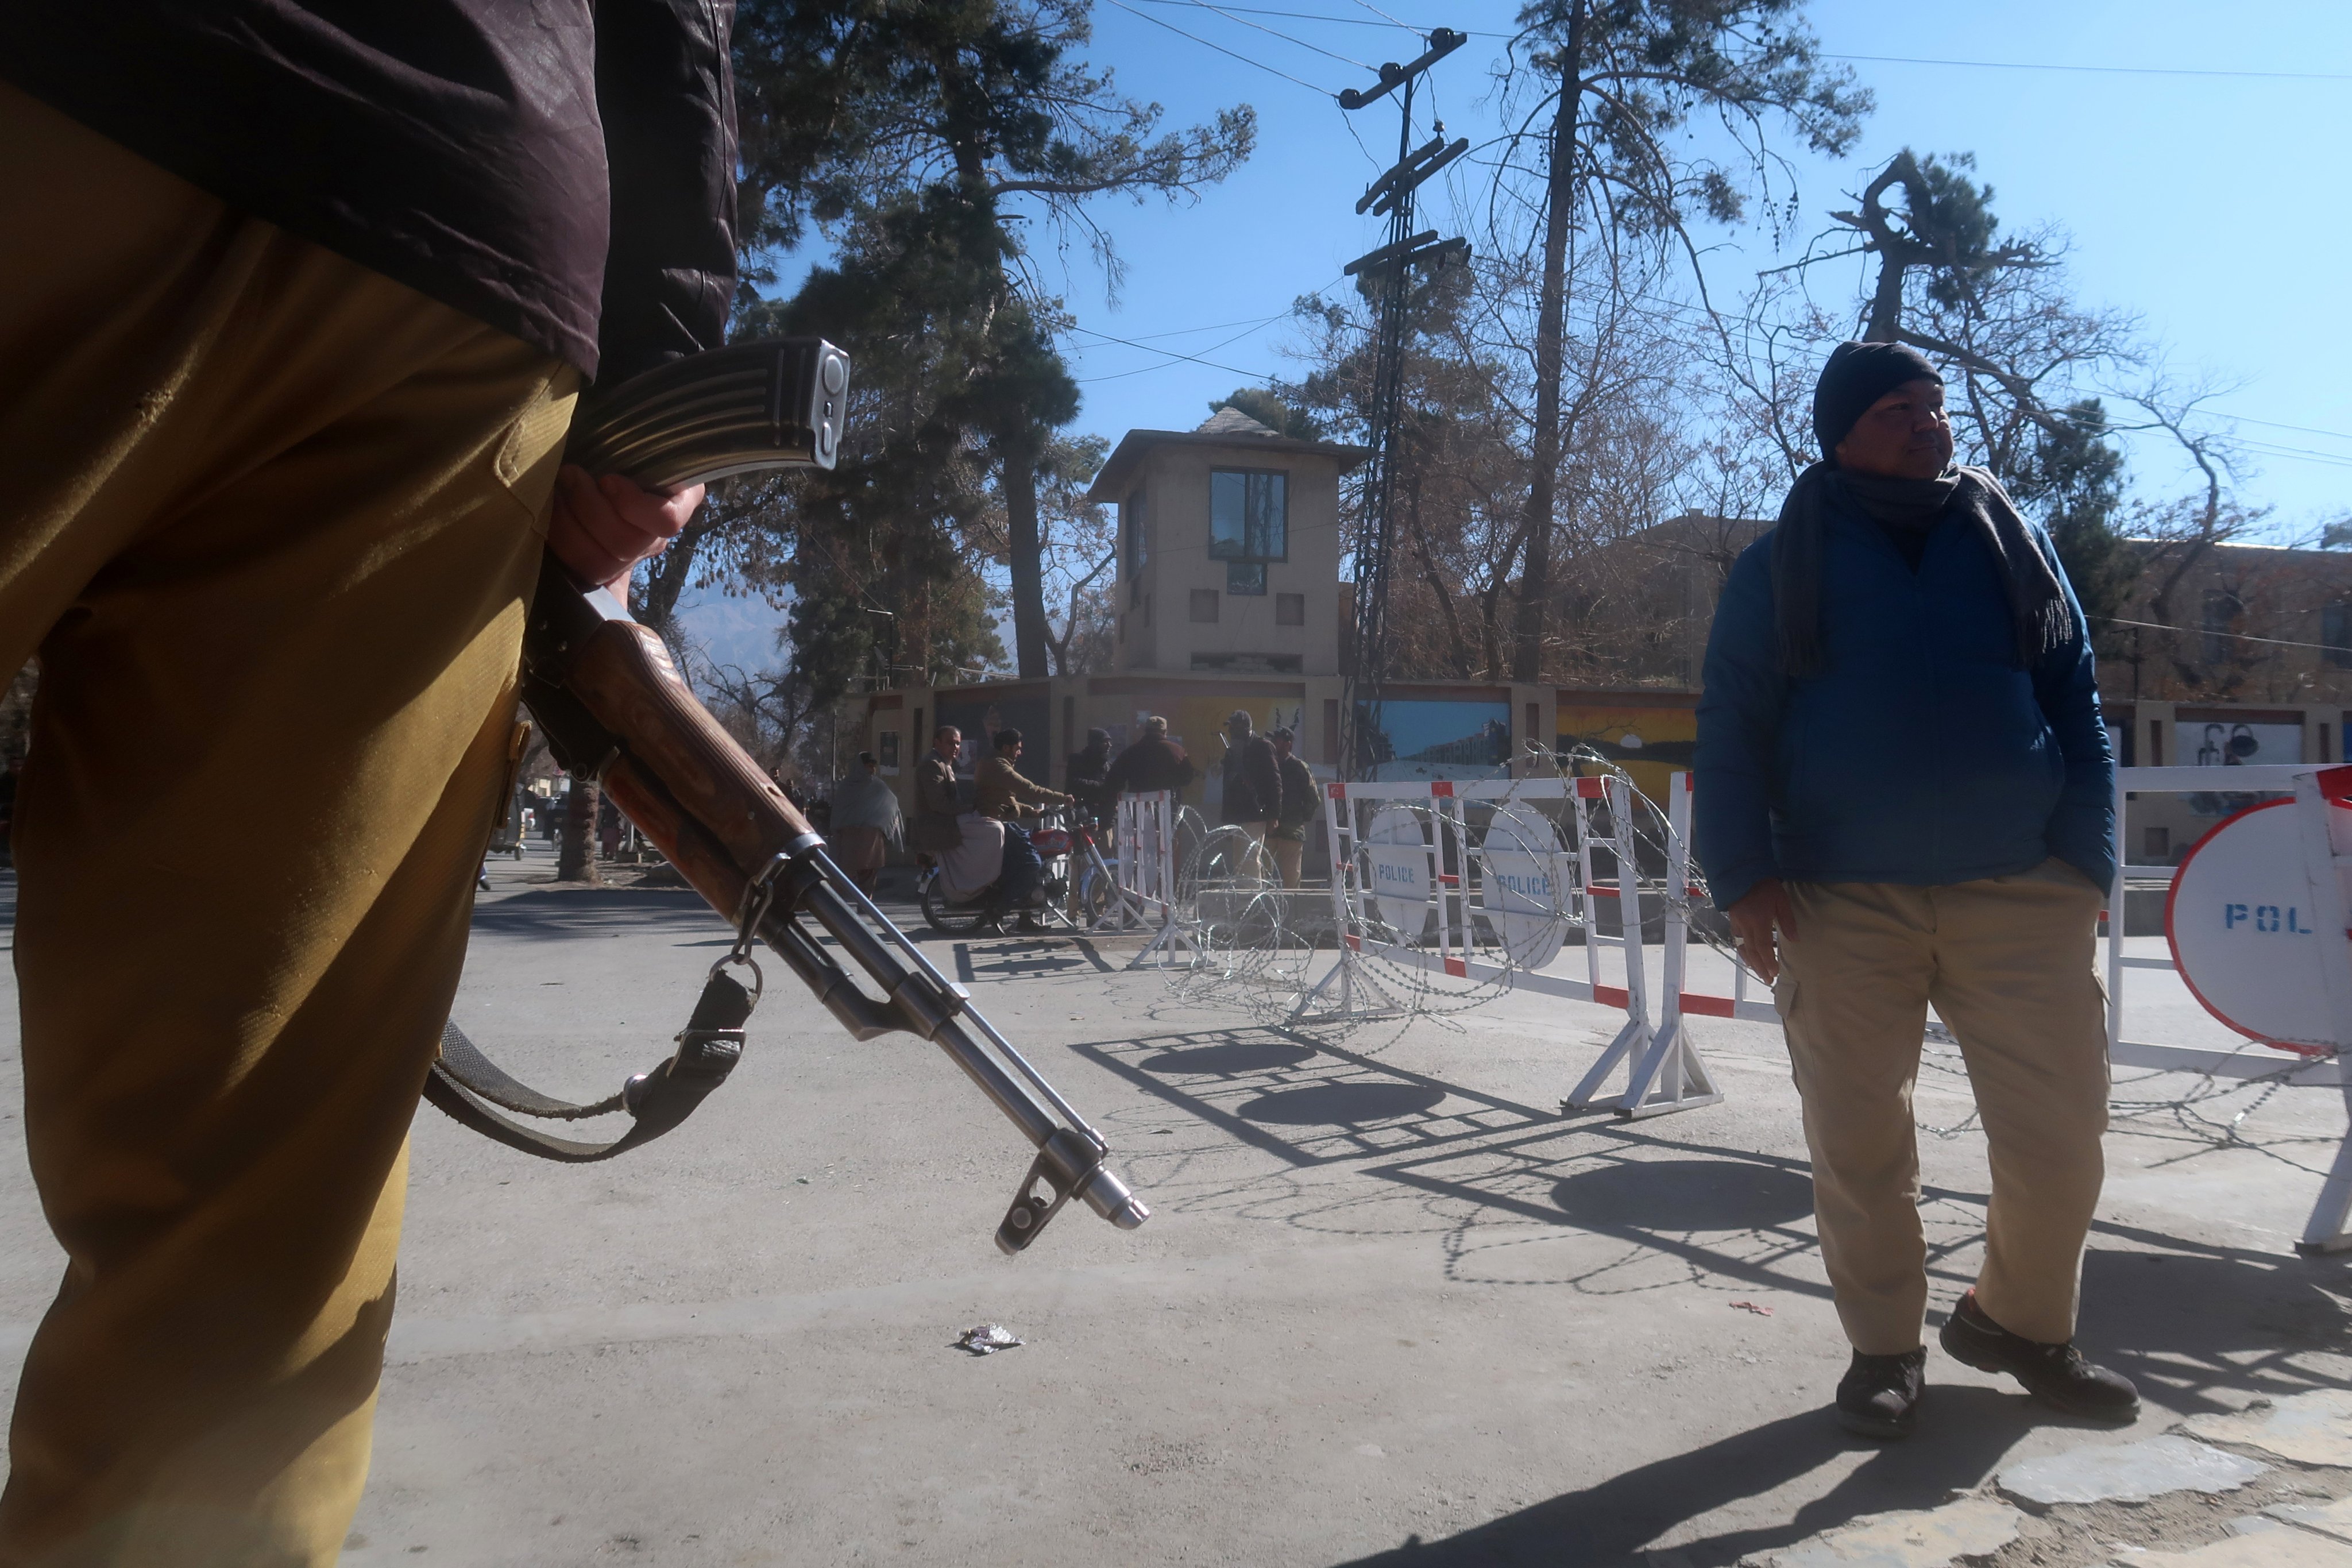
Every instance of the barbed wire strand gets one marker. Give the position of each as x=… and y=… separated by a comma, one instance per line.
x=1249, y=950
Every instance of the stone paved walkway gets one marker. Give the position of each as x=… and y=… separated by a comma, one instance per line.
x=2267, y=1487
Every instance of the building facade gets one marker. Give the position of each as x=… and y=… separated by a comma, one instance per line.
x=1228, y=596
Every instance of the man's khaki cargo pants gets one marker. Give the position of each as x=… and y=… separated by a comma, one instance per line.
x=2006, y=961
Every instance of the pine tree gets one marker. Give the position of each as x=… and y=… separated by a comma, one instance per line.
x=952, y=119
x=2072, y=482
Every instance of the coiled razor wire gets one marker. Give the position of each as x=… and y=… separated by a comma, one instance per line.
x=1248, y=950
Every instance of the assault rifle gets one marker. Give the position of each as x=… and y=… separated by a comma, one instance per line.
x=614, y=709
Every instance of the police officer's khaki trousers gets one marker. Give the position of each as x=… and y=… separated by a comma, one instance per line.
x=270, y=520
x=2007, y=963
x=1289, y=855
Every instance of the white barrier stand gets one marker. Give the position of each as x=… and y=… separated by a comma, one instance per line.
x=1147, y=874
x=1347, y=983
x=1667, y=1072
x=1130, y=907
x=2320, y=827
x=1665, y=1069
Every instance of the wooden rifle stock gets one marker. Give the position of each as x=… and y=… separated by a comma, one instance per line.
x=614, y=708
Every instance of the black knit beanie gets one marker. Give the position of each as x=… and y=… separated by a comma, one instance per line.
x=1858, y=375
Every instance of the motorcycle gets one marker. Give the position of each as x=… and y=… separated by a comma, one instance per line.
x=986, y=909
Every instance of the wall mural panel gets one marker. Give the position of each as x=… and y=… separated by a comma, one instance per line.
x=1649, y=742
x=1421, y=739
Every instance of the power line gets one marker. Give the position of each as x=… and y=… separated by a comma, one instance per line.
x=2303, y=454
x=2234, y=636
x=1171, y=353
x=1254, y=326
x=2274, y=425
x=1212, y=327
x=2098, y=70
x=1867, y=59
x=1233, y=14
x=1221, y=48
x=1322, y=16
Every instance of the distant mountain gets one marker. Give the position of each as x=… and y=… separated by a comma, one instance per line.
x=742, y=632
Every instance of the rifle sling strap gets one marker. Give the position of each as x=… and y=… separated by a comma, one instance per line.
x=472, y=1088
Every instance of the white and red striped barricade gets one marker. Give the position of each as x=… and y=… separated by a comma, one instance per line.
x=1147, y=874
x=1409, y=886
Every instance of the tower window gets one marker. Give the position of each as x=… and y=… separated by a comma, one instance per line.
x=1249, y=515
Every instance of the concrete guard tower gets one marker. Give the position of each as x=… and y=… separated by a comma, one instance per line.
x=1228, y=549
x=1227, y=596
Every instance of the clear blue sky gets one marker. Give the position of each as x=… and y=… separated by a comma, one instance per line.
x=2212, y=205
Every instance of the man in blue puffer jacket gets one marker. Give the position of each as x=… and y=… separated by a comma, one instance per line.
x=1904, y=798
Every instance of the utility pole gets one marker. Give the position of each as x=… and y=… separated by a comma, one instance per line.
x=1387, y=273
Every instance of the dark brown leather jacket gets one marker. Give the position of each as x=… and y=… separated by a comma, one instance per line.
x=1153, y=763
x=563, y=170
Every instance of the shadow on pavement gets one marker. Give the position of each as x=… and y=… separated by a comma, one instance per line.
x=2183, y=1320
x=1250, y=1081
x=1021, y=958
x=1230, y=1056
x=1342, y=1104
x=2185, y=1324
x=550, y=915
x=1686, y=1194
x=1966, y=1431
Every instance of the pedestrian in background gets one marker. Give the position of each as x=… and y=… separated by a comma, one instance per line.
x=1286, y=839
x=1904, y=799
x=1252, y=781
x=1086, y=772
x=1152, y=762
x=866, y=822
x=935, y=830
x=1001, y=789
x=1004, y=793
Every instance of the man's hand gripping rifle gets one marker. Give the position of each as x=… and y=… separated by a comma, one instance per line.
x=613, y=708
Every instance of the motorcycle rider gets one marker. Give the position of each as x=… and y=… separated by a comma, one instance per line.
x=1007, y=795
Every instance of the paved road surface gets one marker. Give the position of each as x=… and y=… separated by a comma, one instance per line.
x=1389, y=1295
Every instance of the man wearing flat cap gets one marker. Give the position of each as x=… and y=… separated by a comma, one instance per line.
x=1905, y=800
